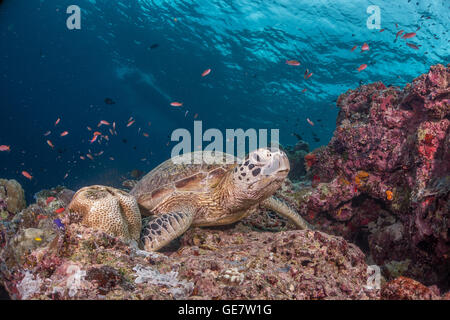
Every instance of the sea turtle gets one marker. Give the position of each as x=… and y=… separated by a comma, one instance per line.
x=209, y=189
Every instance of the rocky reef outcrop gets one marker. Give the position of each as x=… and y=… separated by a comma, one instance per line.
x=53, y=256
x=383, y=181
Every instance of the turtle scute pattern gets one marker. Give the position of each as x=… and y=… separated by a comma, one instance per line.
x=108, y=209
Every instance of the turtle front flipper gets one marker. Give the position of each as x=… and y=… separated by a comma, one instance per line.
x=280, y=207
x=168, y=226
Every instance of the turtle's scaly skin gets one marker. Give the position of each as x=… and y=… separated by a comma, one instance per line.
x=108, y=209
x=202, y=193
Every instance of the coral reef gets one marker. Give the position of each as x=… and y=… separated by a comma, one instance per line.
x=108, y=209
x=12, y=197
x=383, y=180
x=236, y=262
x=403, y=288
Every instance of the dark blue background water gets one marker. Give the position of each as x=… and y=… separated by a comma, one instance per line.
x=49, y=72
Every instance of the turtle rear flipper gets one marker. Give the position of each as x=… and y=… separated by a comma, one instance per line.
x=168, y=226
x=279, y=206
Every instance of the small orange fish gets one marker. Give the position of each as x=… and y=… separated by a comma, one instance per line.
x=47, y=133
x=130, y=123
x=309, y=121
x=5, y=148
x=381, y=30
x=57, y=121
x=64, y=133
x=411, y=45
x=106, y=138
x=206, y=72
x=94, y=138
x=362, y=67
x=409, y=35
x=49, y=199
x=27, y=175
x=398, y=34
x=353, y=49
x=145, y=134
x=60, y=210
x=66, y=175
x=50, y=144
x=89, y=128
x=82, y=158
x=304, y=90
x=90, y=156
x=195, y=116
x=97, y=133
x=365, y=47
x=292, y=62
x=176, y=104
x=111, y=158
x=309, y=75
x=389, y=195
x=114, y=126
x=103, y=122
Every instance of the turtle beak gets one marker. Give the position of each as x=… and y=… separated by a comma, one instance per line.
x=278, y=164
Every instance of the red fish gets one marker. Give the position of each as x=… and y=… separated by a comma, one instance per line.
x=65, y=133
x=206, y=72
x=50, y=144
x=94, y=138
x=27, y=175
x=305, y=74
x=106, y=123
x=309, y=75
x=409, y=35
x=130, y=123
x=362, y=67
x=195, y=116
x=304, y=90
x=90, y=156
x=176, y=104
x=49, y=199
x=398, y=34
x=381, y=30
x=411, y=45
x=145, y=134
x=5, y=148
x=82, y=158
x=60, y=210
x=66, y=175
x=292, y=62
x=365, y=47
x=89, y=128
x=57, y=121
x=309, y=121
x=97, y=133
x=353, y=49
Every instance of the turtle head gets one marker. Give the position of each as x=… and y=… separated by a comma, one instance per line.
x=260, y=174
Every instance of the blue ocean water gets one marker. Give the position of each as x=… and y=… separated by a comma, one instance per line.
x=145, y=54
